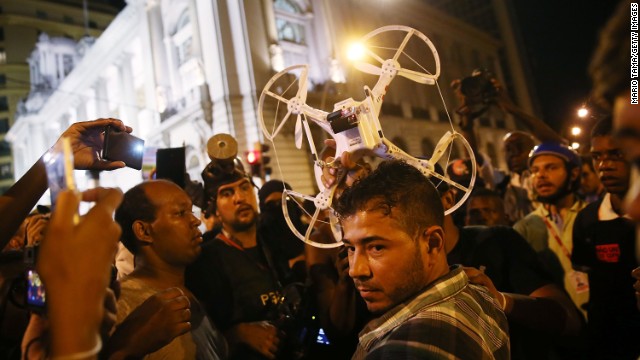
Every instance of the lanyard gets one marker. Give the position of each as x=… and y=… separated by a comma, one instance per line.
x=265, y=252
x=555, y=235
x=222, y=236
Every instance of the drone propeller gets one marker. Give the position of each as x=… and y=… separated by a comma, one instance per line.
x=412, y=75
x=298, y=132
x=367, y=68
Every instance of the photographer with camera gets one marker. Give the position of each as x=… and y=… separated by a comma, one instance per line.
x=235, y=276
x=477, y=94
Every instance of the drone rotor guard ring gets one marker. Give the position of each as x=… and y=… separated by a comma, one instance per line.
x=333, y=223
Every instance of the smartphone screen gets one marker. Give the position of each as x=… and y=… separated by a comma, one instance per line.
x=35, y=290
x=122, y=146
x=59, y=164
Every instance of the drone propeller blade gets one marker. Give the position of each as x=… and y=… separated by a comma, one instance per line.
x=368, y=68
x=298, y=132
x=416, y=76
x=441, y=147
x=302, y=85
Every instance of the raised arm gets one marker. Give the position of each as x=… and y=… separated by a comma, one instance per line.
x=86, y=143
x=538, y=128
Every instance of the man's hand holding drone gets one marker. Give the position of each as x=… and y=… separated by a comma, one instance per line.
x=346, y=172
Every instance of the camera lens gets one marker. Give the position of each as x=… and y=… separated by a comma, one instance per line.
x=472, y=86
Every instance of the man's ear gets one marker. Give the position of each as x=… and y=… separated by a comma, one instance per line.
x=142, y=231
x=575, y=172
x=433, y=237
x=448, y=199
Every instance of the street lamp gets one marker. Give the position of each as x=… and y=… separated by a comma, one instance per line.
x=355, y=52
x=583, y=112
x=575, y=131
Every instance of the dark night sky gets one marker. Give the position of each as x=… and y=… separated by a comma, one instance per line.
x=560, y=37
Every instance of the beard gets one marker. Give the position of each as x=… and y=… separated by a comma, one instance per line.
x=562, y=191
x=240, y=226
x=415, y=278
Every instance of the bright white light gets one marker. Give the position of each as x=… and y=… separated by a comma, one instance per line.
x=356, y=52
x=139, y=148
x=46, y=157
x=575, y=131
x=575, y=145
x=582, y=112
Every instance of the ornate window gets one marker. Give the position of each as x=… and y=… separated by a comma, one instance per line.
x=293, y=25
x=183, y=38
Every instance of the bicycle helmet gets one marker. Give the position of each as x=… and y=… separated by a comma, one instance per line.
x=560, y=150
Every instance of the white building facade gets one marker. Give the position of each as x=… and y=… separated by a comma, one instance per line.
x=180, y=71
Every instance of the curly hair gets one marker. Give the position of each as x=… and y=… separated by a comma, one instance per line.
x=395, y=184
x=135, y=206
x=611, y=57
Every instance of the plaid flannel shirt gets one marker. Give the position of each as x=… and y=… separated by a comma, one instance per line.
x=450, y=319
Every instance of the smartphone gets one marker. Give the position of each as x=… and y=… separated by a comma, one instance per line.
x=36, y=298
x=122, y=146
x=170, y=165
x=59, y=164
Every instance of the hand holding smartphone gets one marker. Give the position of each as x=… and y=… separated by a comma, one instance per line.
x=59, y=164
x=60, y=176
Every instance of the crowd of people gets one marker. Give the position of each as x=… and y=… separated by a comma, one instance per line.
x=542, y=263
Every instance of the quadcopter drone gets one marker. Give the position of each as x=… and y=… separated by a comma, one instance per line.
x=354, y=125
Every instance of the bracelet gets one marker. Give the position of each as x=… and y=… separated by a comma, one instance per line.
x=83, y=354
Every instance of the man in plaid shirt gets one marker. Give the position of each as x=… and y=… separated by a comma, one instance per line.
x=392, y=228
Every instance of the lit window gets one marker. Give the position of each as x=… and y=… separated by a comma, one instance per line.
x=292, y=26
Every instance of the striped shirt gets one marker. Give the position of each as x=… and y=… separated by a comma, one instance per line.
x=450, y=319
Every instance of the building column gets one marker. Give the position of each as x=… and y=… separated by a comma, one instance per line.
x=158, y=52
x=38, y=142
x=128, y=108
x=102, y=96
x=81, y=109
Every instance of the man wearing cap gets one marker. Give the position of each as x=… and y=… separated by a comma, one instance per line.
x=234, y=276
x=555, y=170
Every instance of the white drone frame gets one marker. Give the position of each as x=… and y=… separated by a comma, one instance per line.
x=363, y=132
